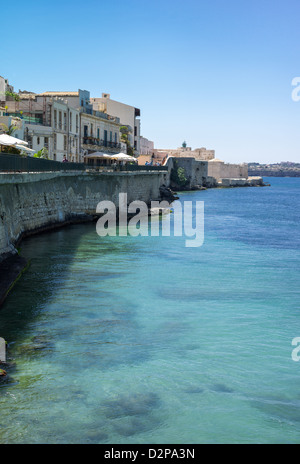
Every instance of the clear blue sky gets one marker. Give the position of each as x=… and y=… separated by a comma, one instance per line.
x=215, y=73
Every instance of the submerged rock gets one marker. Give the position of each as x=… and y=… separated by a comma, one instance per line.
x=221, y=388
x=134, y=405
x=37, y=343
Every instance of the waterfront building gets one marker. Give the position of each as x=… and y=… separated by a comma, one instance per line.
x=221, y=170
x=200, y=154
x=49, y=123
x=128, y=116
x=72, y=124
x=66, y=124
x=97, y=131
x=4, y=88
x=146, y=146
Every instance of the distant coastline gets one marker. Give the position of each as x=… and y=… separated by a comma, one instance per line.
x=285, y=169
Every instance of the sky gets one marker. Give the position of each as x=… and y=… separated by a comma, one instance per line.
x=214, y=73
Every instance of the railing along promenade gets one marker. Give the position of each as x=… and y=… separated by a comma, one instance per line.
x=15, y=163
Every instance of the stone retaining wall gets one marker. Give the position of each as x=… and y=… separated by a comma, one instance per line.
x=30, y=202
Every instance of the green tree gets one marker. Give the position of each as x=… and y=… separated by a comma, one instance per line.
x=178, y=176
x=14, y=95
x=43, y=153
x=125, y=131
x=8, y=130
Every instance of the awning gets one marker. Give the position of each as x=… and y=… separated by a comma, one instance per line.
x=10, y=141
x=123, y=157
x=23, y=148
x=98, y=154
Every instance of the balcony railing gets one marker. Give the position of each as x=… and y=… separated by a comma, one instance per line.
x=100, y=143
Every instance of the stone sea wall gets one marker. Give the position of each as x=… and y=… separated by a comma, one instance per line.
x=38, y=201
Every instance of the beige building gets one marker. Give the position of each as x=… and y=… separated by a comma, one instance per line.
x=66, y=124
x=128, y=115
x=146, y=146
x=99, y=133
x=50, y=123
x=200, y=154
x=221, y=170
x=217, y=169
x=5, y=87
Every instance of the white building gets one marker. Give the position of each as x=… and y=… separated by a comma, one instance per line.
x=98, y=131
x=4, y=87
x=65, y=122
x=39, y=137
x=127, y=114
x=146, y=146
x=60, y=132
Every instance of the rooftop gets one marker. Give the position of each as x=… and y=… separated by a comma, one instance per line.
x=61, y=94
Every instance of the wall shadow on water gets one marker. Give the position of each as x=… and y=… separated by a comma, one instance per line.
x=50, y=261
x=53, y=336
x=52, y=255
x=63, y=261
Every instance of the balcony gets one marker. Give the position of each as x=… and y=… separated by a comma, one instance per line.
x=100, y=143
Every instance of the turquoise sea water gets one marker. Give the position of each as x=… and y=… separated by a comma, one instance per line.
x=142, y=340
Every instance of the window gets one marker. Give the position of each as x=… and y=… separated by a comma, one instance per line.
x=38, y=141
x=135, y=131
x=92, y=130
x=110, y=136
x=65, y=142
x=60, y=120
x=77, y=127
x=46, y=142
x=54, y=141
x=65, y=121
x=98, y=133
x=70, y=122
x=116, y=137
x=55, y=119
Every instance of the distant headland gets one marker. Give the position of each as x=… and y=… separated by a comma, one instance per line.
x=283, y=169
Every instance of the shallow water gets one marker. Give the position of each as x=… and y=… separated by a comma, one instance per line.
x=142, y=340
